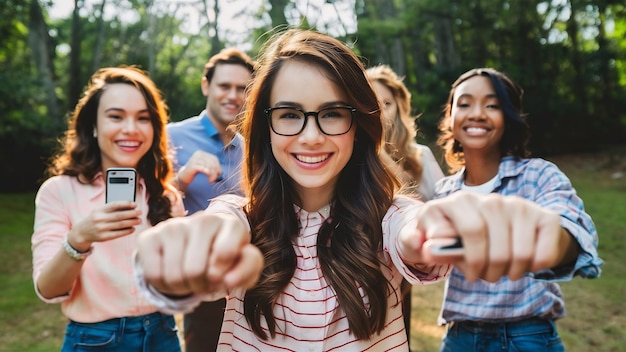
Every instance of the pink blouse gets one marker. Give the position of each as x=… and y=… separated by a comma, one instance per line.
x=105, y=288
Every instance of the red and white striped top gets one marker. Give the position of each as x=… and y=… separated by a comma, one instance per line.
x=307, y=313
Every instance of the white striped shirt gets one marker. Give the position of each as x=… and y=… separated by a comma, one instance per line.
x=307, y=313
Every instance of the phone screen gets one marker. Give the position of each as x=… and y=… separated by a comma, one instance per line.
x=120, y=184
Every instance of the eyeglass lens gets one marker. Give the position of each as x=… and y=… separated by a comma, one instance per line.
x=291, y=121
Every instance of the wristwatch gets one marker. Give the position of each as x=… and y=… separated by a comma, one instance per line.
x=73, y=253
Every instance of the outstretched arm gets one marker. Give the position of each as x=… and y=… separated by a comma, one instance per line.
x=502, y=236
x=200, y=254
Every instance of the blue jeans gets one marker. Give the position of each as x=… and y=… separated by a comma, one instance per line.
x=531, y=335
x=146, y=333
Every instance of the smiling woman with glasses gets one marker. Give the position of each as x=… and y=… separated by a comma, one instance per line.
x=316, y=251
x=290, y=121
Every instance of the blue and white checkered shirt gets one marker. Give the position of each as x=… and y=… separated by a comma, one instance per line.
x=538, y=294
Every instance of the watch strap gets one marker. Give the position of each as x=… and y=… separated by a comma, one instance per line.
x=73, y=253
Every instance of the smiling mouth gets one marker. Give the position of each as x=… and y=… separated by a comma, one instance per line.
x=128, y=144
x=476, y=130
x=311, y=159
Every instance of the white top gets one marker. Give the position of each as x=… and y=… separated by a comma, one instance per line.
x=485, y=188
x=431, y=172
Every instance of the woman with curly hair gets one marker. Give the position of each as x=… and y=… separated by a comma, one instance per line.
x=82, y=246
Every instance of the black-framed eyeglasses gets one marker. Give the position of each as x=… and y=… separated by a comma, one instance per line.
x=290, y=121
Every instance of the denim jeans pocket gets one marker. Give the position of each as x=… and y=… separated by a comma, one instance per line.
x=544, y=341
x=536, y=335
x=80, y=337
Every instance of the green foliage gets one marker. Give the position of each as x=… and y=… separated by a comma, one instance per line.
x=572, y=65
x=573, y=80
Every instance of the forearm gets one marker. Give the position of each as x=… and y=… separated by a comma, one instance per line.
x=58, y=276
x=569, y=249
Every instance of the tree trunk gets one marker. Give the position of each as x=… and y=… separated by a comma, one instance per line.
x=43, y=55
x=97, y=50
x=277, y=12
x=75, y=81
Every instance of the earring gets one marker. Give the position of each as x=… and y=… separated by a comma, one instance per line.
x=95, y=134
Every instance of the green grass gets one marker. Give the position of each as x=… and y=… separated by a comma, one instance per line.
x=26, y=324
x=596, y=319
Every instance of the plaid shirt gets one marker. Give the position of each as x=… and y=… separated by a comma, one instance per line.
x=537, y=294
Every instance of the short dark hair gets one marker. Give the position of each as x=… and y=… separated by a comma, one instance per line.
x=232, y=56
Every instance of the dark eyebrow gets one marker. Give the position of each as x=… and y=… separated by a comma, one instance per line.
x=122, y=110
x=114, y=109
x=466, y=95
x=289, y=104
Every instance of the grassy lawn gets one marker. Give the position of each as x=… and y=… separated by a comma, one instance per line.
x=26, y=324
x=596, y=319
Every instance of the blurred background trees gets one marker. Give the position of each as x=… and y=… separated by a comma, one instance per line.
x=569, y=55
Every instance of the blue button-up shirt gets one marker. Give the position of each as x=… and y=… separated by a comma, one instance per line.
x=198, y=133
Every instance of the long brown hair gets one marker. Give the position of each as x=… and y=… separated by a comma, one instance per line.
x=400, y=132
x=516, y=129
x=350, y=243
x=79, y=154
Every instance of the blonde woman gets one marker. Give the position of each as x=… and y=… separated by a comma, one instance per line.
x=418, y=168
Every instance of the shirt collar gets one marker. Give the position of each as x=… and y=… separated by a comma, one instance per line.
x=323, y=213
x=212, y=132
x=208, y=125
x=509, y=167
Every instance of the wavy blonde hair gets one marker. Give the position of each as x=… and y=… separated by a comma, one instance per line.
x=400, y=129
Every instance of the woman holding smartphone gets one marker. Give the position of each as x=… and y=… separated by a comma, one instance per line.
x=82, y=246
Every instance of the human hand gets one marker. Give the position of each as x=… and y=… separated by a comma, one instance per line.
x=201, y=253
x=202, y=162
x=113, y=220
x=176, y=201
x=502, y=235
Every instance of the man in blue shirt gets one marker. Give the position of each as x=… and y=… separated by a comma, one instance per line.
x=208, y=162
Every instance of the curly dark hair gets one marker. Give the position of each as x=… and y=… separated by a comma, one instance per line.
x=516, y=130
x=79, y=154
x=349, y=245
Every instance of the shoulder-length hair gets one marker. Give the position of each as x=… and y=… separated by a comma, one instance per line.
x=350, y=242
x=401, y=131
x=516, y=129
x=79, y=154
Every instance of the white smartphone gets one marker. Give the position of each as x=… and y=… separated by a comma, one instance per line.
x=121, y=184
x=447, y=247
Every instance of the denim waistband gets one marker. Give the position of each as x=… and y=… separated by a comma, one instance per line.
x=130, y=323
x=510, y=327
